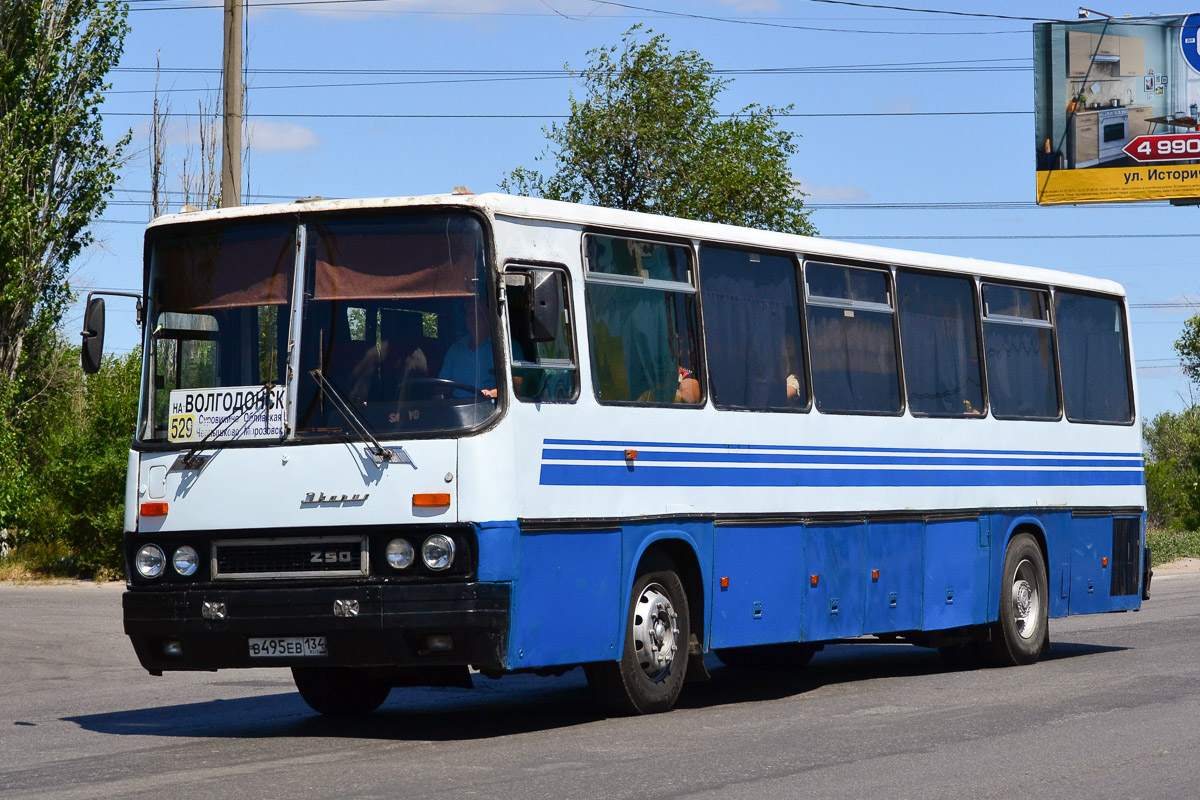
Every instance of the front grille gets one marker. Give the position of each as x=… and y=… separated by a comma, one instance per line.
x=316, y=557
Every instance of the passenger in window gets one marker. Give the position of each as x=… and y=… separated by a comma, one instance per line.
x=469, y=360
x=689, y=387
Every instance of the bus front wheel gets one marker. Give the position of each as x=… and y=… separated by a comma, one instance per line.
x=339, y=691
x=1020, y=631
x=649, y=676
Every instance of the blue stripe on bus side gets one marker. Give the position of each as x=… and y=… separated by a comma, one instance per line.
x=598, y=475
x=809, y=448
x=832, y=458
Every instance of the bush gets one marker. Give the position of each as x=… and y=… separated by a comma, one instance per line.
x=1172, y=442
x=64, y=444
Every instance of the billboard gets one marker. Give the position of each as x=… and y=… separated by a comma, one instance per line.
x=1116, y=115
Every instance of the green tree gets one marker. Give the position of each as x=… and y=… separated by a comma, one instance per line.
x=647, y=136
x=55, y=170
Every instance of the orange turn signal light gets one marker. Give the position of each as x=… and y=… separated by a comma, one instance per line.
x=1104, y=561
x=724, y=583
x=630, y=455
x=431, y=500
x=874, y=574
x=815, y=579
x=154, y=509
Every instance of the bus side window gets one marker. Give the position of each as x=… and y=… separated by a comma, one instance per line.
x=642, y=322
x=542, y=372
x=1095, y=361
x=941, y=349
x=852, y=340
x=1019, y=353
x=752, y=324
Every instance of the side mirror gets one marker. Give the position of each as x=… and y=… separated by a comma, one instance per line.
x=93, y=336
x=545, y=304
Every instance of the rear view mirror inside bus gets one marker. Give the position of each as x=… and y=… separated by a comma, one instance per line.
x=539, y=314
x=93, y=336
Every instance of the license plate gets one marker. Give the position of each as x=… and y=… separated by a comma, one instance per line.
x=288, y=646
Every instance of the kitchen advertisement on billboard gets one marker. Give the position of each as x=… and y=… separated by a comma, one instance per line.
x=1116, y=113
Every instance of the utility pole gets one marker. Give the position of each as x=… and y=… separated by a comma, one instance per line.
x=231, y=138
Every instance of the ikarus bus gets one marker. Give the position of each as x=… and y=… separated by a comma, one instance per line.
x=397, y=442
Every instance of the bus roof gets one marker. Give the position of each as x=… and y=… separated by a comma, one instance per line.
x=498, y=205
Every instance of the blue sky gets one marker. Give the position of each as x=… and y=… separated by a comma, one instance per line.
x=367, y=63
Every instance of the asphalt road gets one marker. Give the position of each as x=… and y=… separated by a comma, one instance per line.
x=1112, y=712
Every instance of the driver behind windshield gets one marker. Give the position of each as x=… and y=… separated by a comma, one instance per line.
x=469, y=360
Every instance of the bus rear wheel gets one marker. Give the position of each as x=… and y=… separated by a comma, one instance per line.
x=339, y=691
x=1019, y=633
x=649, y=676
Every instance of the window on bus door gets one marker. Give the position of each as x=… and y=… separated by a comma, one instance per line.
x=1019, y=353
x=1095, y=362
x=397, y=324
x=751, y=307
x=851, y=340
x=218, y=317
x=642, y=322
x=942, y=373
x=542, y=371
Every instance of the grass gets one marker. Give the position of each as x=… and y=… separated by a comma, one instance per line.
x=1169, y=545
x=38, y=561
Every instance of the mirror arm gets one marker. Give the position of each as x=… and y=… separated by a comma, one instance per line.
x=141, y=308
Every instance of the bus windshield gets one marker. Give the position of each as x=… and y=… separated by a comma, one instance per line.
x=218, y=309
x=396, y=332
x=396, y=322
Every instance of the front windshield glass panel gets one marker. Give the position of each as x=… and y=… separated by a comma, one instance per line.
x=396, y=325
x=216, y=339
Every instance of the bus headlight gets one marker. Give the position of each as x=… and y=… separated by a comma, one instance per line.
x=186, y=561
x=150, y=561
x=438, y=552
x=400, y=554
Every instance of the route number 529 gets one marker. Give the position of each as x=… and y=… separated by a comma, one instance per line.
x=183, y=426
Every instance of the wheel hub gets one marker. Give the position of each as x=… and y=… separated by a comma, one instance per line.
x=655, y=631
x=1026, y=604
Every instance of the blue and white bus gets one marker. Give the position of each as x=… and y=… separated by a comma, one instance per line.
x=388, y=442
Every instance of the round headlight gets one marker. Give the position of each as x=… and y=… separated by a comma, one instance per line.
x=400, y=553
x=438, y=552
x=150, y=561
x=186, y=561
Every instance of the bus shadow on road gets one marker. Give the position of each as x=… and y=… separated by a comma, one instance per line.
x=517, y=704
x=843, y=663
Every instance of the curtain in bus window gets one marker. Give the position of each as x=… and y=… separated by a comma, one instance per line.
x=233, y=267
x=941, y=356
x=752, y=329
x=853, y=360
x=635, y=343
x=1095, y=370
x=396, y=258
x=1020, y=370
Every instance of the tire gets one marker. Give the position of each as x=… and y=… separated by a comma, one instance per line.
x=649, y=676
x=339, y=691
x=1020, y=631
x=788, y=656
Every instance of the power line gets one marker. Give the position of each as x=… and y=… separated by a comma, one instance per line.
x=762, y=23
x=885, y=66
x=804, y=115
x=654, y=13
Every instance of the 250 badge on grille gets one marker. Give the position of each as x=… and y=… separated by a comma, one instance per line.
x=283, y=646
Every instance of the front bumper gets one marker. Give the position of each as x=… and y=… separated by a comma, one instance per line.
x=389, y=630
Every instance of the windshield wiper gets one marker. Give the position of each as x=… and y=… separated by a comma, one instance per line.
x=377, y=452
x=191, y=460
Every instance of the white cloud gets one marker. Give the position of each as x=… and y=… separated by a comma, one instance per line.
x=280, y=137
x=831, y=192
